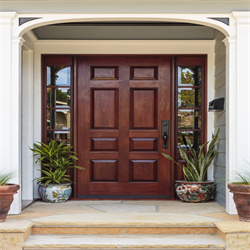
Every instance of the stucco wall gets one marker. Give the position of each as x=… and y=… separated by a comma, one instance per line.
x=220, y=117
x=124, y=6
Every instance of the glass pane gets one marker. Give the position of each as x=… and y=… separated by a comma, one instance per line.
x=58, y=75
x=58, y=119
x=189, y=119
x=60, y=136
x=193, y=136
x=189, y=76
x=58, y=97
x=188, y=98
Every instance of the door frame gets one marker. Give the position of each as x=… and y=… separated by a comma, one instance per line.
x=173, y=107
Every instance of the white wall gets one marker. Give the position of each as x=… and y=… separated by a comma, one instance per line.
x=125, y=6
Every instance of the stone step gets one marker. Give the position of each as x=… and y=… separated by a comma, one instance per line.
x=125, y=220
x=76, y=230
x=35, y=242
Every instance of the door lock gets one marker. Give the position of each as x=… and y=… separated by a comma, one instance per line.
x=165, y=132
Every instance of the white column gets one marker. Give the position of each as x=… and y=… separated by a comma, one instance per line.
x=238, y=101
x=10, y=106
x=27, y=125
x=231, y=114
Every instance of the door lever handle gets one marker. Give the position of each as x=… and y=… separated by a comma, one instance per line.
x=165, y=140
x=165, y=132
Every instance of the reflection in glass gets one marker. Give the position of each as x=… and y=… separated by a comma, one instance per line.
x=60, y=136
x=188, y=98
x=58, y=97
x=189, y=119
x=193, y=136
x=58, y=119
x=189, y=76
x=58, y=75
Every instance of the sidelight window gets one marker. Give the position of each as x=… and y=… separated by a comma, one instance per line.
x=58, y=114
x=190, y=102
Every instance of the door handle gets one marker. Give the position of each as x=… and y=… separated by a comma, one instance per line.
x=165, y=132
x=165, y=141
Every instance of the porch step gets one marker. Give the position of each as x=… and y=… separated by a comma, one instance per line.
x=74, y=230
x=38, y=242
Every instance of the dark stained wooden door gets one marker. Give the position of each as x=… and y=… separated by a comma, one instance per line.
x=121, y=102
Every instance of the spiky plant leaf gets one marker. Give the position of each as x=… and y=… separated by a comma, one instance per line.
x=5, y=177
x=196, y=167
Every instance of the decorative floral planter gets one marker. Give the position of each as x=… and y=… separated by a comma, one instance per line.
x=6, y=197
x=195, y=191
x=241, y=199
x=55, y=193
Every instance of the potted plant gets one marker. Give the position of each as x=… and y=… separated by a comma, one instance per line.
x=240, y=188
x=195, y=188
x=7, y=191
x=57, y=159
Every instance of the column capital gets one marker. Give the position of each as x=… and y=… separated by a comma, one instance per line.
x=229, y=40
x=19, y=40
x=6, y=17
x=242, y=17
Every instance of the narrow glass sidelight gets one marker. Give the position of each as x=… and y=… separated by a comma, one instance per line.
x=190, y=102
x=189, y=97
x=189, y=76
x=58, y=76
x=58, y=99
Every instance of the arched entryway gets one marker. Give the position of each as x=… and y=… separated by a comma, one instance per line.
x=19, y=31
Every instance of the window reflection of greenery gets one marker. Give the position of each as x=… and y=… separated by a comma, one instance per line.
x=56, y=76
x=188, y=98
x=59, y=95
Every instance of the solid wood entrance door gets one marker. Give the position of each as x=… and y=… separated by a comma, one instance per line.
x=120, y=104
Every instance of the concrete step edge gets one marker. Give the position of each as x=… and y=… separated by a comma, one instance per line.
x=124, y=241
x=122, y=230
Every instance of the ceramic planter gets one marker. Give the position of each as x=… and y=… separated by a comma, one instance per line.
x=6, y=197
x=55, y=193
x=241, y=199
x=195, y=191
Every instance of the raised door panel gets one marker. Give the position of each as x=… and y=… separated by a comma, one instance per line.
x=104, y=109
x=143, y=144
x=143, y=108
x=104, y=144
x=104, y=73
x=143, y=170
x=144, y=73
x=104, y=170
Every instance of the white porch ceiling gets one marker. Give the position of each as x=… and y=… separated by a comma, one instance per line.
x=124, y=32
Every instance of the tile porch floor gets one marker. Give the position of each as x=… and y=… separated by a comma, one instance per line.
x=175, y=207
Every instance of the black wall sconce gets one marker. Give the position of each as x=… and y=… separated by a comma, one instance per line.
x=216, y=105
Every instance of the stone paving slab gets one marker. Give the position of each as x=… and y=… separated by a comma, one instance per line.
x=15, y=226
x=126, y=219
x=125, y=208
x=110, y=242
x=234, y=227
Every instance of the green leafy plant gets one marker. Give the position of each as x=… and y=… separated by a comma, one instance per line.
x=197, y=163
x=5, y=177
x=242, y=178
x=56, y=158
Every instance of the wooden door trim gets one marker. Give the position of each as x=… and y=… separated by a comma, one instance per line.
x=173, y=102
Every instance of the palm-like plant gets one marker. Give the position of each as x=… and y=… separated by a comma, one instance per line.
x=5, y=177
x=196, y=166
x=56, y=158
